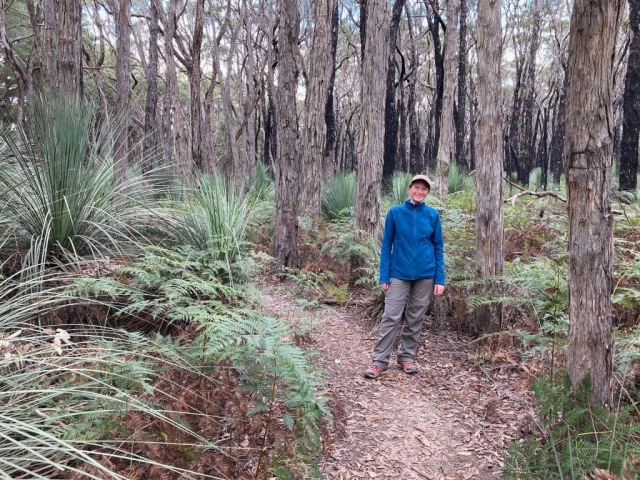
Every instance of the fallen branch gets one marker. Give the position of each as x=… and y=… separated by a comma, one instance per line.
x=546, y=193
x=523, y=192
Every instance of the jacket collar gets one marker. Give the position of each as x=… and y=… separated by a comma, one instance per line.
x=417, y=206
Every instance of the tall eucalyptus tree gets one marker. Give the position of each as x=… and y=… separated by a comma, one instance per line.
x=390, y=109
x=314, y=135
x=447, y=145
x=588, y=152
x=286, y=168
x=371, y=134
x=123, y=89
x=489, y=160
x=151, y=102
x=461, y=112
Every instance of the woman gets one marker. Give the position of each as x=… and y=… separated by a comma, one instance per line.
x=411, y=268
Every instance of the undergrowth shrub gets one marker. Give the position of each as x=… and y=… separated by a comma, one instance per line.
x=263, y=187
x=214, y=221
x=535, y=179
x=339, y=196
x=576, y=438
x=97, y=401
x=457, y=178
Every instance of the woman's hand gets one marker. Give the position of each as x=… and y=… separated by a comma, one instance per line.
x=384, y=286
x=438, y=289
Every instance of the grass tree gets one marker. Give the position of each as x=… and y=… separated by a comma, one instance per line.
x=57, y=189
x=215, y=221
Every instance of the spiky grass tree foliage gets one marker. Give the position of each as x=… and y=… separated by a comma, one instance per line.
x=263, y=207
x=457, y=178
x=535, y=179
x=57, y=188
x=214, y=220
x=263, y=186
x=398, y=188
x=339, y=196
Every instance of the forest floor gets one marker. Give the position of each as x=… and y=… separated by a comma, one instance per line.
x=454, y=419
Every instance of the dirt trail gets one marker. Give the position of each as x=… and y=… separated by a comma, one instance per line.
x=452, y=420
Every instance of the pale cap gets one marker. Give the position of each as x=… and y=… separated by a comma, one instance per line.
x=422, y=178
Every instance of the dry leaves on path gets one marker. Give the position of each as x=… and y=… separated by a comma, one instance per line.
x=452, y=420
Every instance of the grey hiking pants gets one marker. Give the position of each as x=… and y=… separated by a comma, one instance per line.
x=416, y=295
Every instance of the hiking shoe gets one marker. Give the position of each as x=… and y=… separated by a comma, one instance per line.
x=408, y=366
x=373, y=371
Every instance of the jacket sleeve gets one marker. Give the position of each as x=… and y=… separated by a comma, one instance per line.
x=438, y=251
x=385, y=248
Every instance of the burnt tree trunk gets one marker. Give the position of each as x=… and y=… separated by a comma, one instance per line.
x=195, y=77
x=415, y=146
x=434, y=28
x=461, y=117
x=390, y=110
x=556, y=161
x=151, y=102
x=123, y=90
x=628, y=176
x=526, y=145
x=285, y=244
x=329, y=156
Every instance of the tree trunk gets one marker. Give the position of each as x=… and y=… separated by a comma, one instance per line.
x=95, y=67
x=173, y=123
x=270, y=134
x=49, y=53
x=415, y=150
x=70, y=48
x=285, y=244
x=628, y=176
x=528, y=139
x=461, y=118
x=556, y=161
x=587, y=153
x=447, y=143
x=514, y=133
x=371, y=134
x=473, y=109
x=23, y=76
x=434, y=27
x=195, y=77
x=544, y=151
x=390, y=110
x=330, y=147
x=233, y=167
x=314, y=134
x=150, y=136
x=401, y=162
x=489, y=217
x=250, y=105
x=123, y=90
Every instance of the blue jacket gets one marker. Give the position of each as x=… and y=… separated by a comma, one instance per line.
x=412, y=245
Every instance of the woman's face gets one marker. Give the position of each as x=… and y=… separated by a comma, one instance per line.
x=418, y=192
